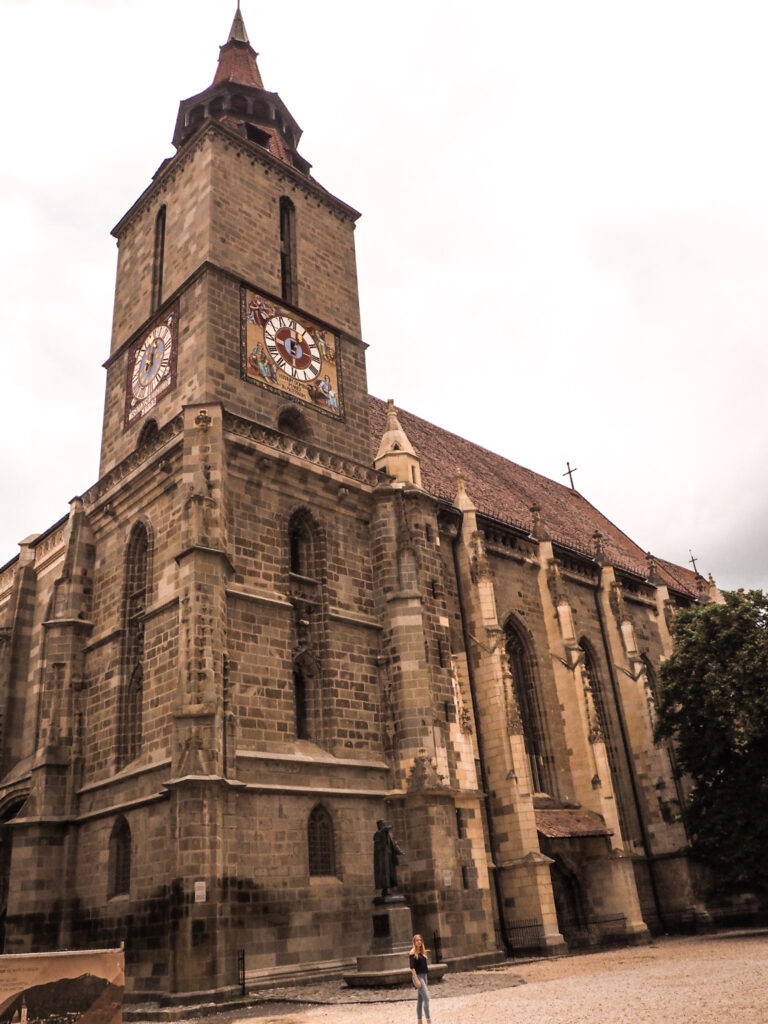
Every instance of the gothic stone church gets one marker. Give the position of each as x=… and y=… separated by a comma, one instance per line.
x=280, y=615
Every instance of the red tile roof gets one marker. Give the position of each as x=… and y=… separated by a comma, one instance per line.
x=505, y=491
x=237, y=63
x=566, y=822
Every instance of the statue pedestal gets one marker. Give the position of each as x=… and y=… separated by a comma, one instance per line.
x=392, y=927
x=386, y=965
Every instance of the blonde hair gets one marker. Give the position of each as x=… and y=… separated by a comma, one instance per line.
x=423, y=948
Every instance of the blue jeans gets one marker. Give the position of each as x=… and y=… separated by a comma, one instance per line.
x=422, y=998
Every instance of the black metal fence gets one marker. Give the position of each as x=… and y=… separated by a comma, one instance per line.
x=525, y=936
x=241, y=970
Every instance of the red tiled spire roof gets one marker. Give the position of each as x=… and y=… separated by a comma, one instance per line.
x=237, y=58
x=507, y=492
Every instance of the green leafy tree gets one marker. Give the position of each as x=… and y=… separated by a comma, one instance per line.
x=714, y=706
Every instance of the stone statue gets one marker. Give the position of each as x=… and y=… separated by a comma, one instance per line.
x=387, y=857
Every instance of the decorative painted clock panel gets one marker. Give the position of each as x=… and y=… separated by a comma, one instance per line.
x=294, y=356
x=151, y=371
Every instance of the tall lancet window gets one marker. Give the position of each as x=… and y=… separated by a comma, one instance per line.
x=119, y=867
x=288, y=251
x=158, y=259
x=320, y=843
x=131, y=705
x=523, y=671
x=607, y=718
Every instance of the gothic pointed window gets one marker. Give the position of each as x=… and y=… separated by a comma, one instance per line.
x=320, y=843
x=522, y=668
x=158, y=260
x=119, y=867
x=607, y=719
x=301, y=546
x=288, y=251
x=131, y=703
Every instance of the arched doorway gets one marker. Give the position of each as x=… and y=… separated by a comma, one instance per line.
x=569, y=903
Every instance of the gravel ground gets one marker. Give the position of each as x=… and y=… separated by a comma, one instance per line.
x=715, y=979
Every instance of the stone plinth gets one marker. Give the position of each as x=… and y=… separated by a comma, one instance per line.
x=386, y=965
x=392, y=927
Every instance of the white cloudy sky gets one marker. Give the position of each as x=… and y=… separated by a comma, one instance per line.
x=563, y=249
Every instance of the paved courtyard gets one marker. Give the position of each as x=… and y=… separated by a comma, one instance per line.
x=716, y=979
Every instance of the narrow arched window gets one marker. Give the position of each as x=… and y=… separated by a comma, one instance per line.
x=131, y=702
x=523, y=672
x=301, y=553
x=288, y=251
x=320, y=845
x=120, y=858
x=158, y=259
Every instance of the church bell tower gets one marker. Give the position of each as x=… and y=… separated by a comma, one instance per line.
x=236, y=279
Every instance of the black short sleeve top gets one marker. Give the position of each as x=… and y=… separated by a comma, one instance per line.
x=418, y=964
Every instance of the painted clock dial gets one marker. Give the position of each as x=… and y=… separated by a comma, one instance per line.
x=293, y=349
x=151, y=366
x=283, y=353
x=152, y=362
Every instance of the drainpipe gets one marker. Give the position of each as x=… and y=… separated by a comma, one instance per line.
x=478, y=728
x=630, y=759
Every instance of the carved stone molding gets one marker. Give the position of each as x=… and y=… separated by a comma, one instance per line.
x=299, y=449
x=133, y=461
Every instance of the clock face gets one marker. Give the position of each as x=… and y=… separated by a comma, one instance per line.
x=293, y=349
x=152, y=362
x=296, y=357
x=151, y=366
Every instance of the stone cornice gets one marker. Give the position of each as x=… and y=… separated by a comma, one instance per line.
x=253, y=151
x=136, y=460
x=281, y=445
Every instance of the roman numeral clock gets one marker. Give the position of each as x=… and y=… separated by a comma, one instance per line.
x=296, y=357
x=151, y=366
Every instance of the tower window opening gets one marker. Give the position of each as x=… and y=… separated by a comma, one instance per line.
x=300, y=547
x=256, y=135
x=288, y=250
x=158, y=259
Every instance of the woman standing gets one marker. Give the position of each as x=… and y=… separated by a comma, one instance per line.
x=419, y=969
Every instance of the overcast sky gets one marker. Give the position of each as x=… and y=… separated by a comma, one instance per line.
x=562, y=254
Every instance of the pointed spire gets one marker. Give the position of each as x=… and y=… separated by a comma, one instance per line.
x=237, y=58
x=237, y=33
